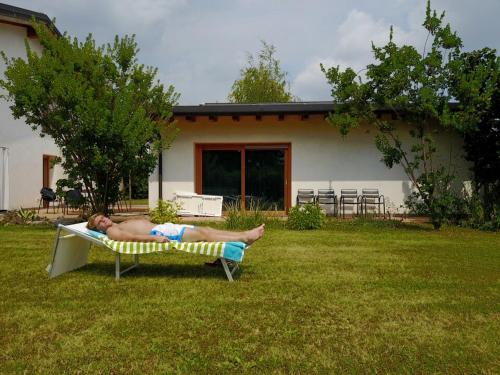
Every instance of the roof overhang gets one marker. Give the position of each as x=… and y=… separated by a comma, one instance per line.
x=263, y=109
x=23, y=17
x=230, y=109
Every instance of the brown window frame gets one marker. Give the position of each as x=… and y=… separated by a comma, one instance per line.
x=46, y=170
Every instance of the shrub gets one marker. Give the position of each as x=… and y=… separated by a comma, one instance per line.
x=21, y=216
x=463, y=209
x=27, y=216
x=165, y=211
x=476, y=216
x=448, y=207
x=307, y=216
x=11, y=217
x=242, y=220
x=254, y=216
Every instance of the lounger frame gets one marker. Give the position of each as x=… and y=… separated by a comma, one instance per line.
x=71, y=250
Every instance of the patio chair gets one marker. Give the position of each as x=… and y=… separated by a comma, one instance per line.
x=327, y=200
x=372, y=197
x=350, y=197
x=72, y=245
x=47, y=195
x=305, y=196
x=74, y=199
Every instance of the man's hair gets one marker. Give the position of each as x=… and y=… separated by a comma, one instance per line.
x=90, y=224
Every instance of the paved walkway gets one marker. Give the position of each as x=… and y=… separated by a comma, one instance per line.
x=135, y=213
x=141, y=211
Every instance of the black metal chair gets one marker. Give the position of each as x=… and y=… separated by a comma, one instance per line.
x=47, y=195
x=305, y=196
x=350, y=197
x=372, y=197
x=327, y=199
x=74, y=199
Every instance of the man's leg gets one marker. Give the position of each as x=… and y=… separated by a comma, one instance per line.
x=214, y=235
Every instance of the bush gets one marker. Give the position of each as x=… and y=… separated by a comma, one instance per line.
x=242, y=220
x=446, y=208
x=164, y=212
x=476, y=216
x=27, y=216
x=307, y=216
x=11, y=217
x=462, y=209
x=238, y=219
x=21, y=216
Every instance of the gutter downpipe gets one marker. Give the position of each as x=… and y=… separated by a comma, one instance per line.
x=160, y=176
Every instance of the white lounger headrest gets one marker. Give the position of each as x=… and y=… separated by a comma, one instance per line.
x=82, y=228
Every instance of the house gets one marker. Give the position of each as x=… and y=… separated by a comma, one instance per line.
x=25, y=158
x=266, y=152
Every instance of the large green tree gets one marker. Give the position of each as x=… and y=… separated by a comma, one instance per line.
x=415, y=87
x=106, y=112
x=262, y=81
x=475, y=83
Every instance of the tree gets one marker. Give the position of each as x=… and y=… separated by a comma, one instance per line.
x=262, y=81
x=475, y=83
x=105, y=112
x=415, y=88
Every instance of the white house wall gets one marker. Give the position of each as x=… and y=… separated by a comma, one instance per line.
x=25, y=147
x=320, y=157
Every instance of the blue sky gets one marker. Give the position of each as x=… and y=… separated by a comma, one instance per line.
x=200, y=46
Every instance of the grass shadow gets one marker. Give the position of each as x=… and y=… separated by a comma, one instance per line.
x=369, y=223
x=174, y=271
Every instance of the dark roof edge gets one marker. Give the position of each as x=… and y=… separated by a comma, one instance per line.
x=253, y=109
x=11, y=11
x=232, y=109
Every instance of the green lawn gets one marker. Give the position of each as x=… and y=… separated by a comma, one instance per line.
x=353, y=298
x=136, y=202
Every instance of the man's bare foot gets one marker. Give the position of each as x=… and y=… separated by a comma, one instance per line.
x=255, y=234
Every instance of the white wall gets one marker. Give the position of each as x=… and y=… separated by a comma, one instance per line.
x=320, y=157
x=26, y=148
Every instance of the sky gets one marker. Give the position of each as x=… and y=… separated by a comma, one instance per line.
x=200, y=47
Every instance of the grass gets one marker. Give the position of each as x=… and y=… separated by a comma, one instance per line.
x=352, y=298
x=135, y=202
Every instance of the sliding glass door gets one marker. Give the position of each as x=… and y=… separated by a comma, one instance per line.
x=221, y=174
x=265, y=179
x=248, y=175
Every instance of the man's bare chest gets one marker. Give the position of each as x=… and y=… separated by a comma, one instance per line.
x=137, y=226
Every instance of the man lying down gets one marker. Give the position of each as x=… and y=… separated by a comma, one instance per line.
x=142, y=230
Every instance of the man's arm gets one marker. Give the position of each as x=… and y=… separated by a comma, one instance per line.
x=118, y=234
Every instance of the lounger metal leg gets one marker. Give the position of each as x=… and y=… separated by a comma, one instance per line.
x=235, y=268
x=229, y=274
x=118, y=273
x=117, y=266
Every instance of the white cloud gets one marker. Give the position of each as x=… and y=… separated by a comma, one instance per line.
x=360, y=29
x=357, y=32
x=144, y=12
x=200, y=46
x=352, y=49
x=310, y=83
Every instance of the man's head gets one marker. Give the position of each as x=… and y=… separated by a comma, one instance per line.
x=99, y=222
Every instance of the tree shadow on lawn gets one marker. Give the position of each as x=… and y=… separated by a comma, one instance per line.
x=157, y=270
x=369, y=223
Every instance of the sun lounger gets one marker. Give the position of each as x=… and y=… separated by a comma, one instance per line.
x=72, y=245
